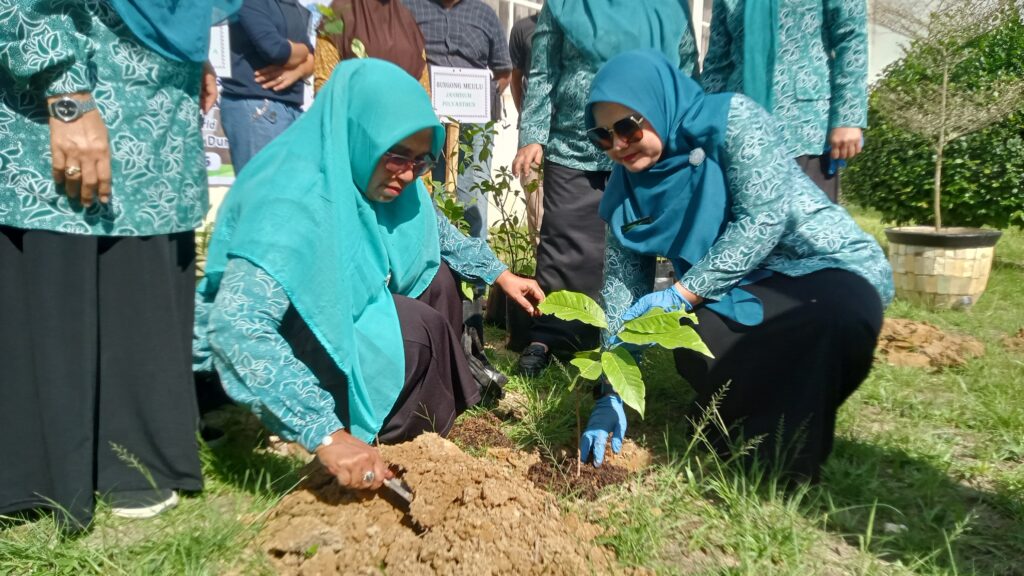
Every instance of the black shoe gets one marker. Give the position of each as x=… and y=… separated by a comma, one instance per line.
x=534, y=360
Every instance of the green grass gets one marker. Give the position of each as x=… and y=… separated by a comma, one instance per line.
x=927, y=478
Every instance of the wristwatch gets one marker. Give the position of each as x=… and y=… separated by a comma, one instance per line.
x=68, y=109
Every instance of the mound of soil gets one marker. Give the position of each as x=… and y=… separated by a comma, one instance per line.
x=1015, y=343
x=923, y=345
x=480, y=432
x=469, y=516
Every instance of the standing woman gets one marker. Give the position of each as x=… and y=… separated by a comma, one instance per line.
x=386, y=29
x=806, y=62
x=102, y=186
x=570, y=43
x=788, y=290
x=328, y=301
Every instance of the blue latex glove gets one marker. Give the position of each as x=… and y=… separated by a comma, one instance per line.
x=668, y=300
x=607, y=417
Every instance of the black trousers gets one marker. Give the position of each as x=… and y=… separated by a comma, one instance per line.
x=438, y=383
x=786, y=378
x=570, y=255
x=816, y=167
x=95, y=350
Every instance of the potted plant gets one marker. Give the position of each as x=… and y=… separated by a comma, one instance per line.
x=932, y=95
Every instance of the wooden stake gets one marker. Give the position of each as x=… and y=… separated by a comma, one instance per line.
x=451, y=154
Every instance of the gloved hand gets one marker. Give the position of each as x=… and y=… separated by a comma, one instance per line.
x=608, y=417
x=668, y=300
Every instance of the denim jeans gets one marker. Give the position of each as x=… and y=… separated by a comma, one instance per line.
x=467, y=191
x=251, y=123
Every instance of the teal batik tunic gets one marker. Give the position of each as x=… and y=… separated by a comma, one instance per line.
x=150, y=105
x=779, y=221
x=560, y=78
x=821, y=67
x=255, y=362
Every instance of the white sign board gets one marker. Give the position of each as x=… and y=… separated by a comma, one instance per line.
x=463, y=94
x=220, y=51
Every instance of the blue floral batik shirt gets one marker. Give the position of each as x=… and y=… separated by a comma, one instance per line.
x=779, y=221
x=149, y=104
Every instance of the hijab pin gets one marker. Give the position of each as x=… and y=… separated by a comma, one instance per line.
x=697, y=156
x=387, y=279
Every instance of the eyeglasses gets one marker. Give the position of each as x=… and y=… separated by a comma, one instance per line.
x=397, y=164
x=629, y=129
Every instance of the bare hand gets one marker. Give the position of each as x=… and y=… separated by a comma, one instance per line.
x=208, y=88
x=528, y=159
x=525, y=291
x=349, y=459
x=278, y=78
x=83, y=148
x=845, y=142
x=298, y=54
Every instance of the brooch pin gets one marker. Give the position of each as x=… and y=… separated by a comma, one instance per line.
x=697, y=156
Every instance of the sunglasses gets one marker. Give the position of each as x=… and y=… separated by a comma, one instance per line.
x=629, y=129
x=398, y=164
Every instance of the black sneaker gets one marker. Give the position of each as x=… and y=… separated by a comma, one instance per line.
x=534, y=360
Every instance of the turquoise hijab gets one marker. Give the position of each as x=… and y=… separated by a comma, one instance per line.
x=760, y=46
x=175, y=29
x=298, y=212
x=679, y=207
x=601, y=29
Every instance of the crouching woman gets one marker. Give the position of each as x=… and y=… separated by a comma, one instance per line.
x=788, y=290
x=329, y=309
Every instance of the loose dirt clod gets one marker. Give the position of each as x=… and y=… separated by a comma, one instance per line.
x=470, y=516
x=1015, y=343
x=480, y=432
x=923, y=345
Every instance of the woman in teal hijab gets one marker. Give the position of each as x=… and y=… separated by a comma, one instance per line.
x=328, y=301
x=787, y=289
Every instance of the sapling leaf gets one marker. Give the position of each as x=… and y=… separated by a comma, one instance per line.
x=467, y=290
x=624, y=375
x=678, y=337
x=589, y=364
x=574, y=306
x=655, y=321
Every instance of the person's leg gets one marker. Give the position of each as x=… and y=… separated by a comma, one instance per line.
x=48, y=389
x=251, y=123
x=816, y=167
x=438, y=383
x=570, y=257
x=147, y=415
x=784, y=380
x=468, y=191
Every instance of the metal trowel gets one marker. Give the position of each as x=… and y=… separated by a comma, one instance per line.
x=400, y=488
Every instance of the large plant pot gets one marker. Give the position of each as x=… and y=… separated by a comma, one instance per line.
x=945, y=268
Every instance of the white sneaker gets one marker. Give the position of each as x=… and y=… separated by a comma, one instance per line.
x=141, y=512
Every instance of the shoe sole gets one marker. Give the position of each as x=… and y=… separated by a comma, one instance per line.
x=148, y=511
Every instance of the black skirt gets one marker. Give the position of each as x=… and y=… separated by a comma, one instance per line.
x=95, y=345
x=784, y=380
x=438, y=383
x=570, y=255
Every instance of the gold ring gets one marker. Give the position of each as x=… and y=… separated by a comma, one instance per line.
x=72, y=171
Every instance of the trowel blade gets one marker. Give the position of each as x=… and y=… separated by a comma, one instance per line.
x=399, y=488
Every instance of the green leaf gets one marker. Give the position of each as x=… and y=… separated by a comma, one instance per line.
x=624, y=375
x=589, y=364
x=467, y=290
x=336, y=27
x=679, y=337
x=655, y=321
x=574, y=306
x=358, y=48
